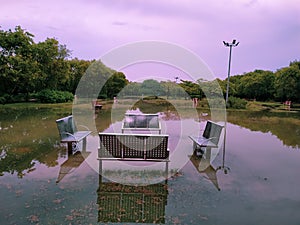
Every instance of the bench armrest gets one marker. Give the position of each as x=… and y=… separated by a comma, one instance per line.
x=70, y=135
x=211, y=138
x=85, y=127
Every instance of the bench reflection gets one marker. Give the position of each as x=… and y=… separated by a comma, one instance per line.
x=131, y=204
x=73, y=162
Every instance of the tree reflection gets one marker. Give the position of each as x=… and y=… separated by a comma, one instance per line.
x=285, y=127
x=28, y=136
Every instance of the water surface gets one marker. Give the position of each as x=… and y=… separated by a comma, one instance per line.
x=41, y=184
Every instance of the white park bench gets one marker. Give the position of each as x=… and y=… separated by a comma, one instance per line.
x=209, y=139
x=69, y=134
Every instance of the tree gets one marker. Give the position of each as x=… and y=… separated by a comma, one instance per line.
x=26, y=67
x=192, y=89
x=287, y=83
x=54, y=68
x=93, y=81
x=151, y=87
x=132, y=89
x=114, y=84
x=77, y=70
x=211, y=89
x=256, y=85
x=17, y=69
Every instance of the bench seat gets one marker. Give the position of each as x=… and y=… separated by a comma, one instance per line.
x=203, y=142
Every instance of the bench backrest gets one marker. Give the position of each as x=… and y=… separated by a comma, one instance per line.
x=66, y=125
x=142, y=146
x=212, y=131
x=141, y=121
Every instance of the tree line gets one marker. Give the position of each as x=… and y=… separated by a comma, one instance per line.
x=262, y=85
x=46, y=70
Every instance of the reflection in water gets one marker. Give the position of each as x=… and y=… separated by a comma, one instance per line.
x=73, y=162
x=136, y=198
x=285, y=126
x=262, y=187
x=204, y=167
x=29, y=135
x=137, y=204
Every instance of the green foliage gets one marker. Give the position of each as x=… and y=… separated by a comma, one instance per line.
x=192, y=89
x=236, y=103
x=132, y=89
x=52, y=96
x=5, y=99
x=53, y=68
x=211, y=89
x=287, y=83
x=257, y=85
x=266, y=85
x=93, y=81
x=114, y=85
x=151, y=87
x=77, y=69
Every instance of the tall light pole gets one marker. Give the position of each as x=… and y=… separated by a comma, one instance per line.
x=230, y=45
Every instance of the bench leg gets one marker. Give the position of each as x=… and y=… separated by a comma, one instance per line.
x=70, y=148
x=197, y=149
x=84, y=144
x=208, y=153
x=167, y=170
x=100, y=167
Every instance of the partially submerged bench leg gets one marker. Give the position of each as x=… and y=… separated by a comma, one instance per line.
x=100, y=167
x=84, y=144
x=197, y=149
x=70, y=148
x=167, y=169
x=208, y=153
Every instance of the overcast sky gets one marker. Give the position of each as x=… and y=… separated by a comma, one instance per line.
x=268, y=30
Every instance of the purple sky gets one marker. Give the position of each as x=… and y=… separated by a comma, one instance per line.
x=268, y=30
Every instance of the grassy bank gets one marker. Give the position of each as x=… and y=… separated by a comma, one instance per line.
x=160, y=103
x=271, y=106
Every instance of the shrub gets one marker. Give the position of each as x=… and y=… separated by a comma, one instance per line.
x=236, y=103
x=52, y=96
x=2, y=100
x=5, y=99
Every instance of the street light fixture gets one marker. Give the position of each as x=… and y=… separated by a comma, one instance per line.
x=230, y=45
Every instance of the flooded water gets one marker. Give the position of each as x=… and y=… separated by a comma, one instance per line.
x=41, y=184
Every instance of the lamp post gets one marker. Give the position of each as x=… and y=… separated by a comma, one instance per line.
x=230, y=45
